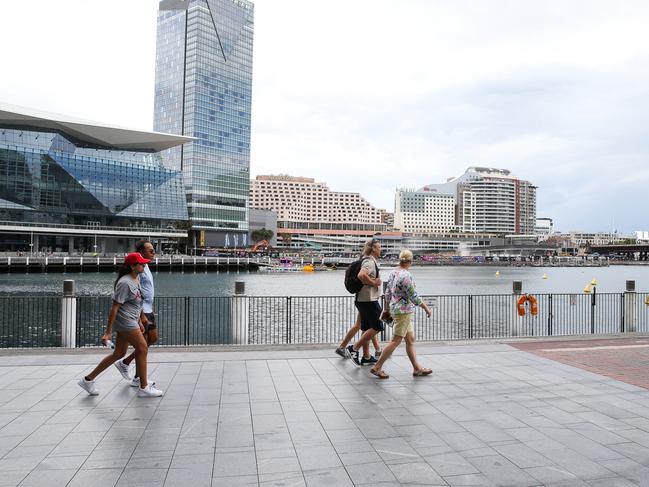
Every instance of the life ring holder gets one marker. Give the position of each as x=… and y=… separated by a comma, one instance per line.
x=520, y=305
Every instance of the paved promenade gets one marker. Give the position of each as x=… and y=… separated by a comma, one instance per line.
x=492, y=414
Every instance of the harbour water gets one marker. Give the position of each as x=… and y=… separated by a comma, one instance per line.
x=450, y=280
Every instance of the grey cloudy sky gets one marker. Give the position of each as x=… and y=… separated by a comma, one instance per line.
x=370, y=95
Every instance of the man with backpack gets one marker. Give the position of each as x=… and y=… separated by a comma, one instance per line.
x=367, y=299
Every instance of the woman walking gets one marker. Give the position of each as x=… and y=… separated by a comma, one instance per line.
x=125, y=319
x=401, y=298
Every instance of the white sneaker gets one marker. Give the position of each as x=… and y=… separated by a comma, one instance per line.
x=88, y=386
x=123, y=369
x=136, y=382
x=149, y=391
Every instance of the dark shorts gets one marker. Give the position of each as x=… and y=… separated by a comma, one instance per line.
x=370, y=312
x=151, y=325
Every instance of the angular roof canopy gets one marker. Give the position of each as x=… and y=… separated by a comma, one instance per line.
x=94, y=133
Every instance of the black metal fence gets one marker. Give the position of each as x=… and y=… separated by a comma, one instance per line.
x=183, y=321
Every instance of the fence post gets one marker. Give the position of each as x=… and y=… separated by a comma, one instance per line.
x=288, y=319
x=68, y=315
x=630, y=316
x=517, y=290
x=592, y=310
x=239, y=314
x=187, y=301
x=470, y=316
x=550, y=316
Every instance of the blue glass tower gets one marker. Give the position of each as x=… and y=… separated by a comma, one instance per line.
x=203, y=90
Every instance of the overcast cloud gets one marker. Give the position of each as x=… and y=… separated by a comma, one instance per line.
x=370, y=95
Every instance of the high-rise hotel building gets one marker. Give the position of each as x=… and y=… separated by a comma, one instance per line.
x=203, y=90
x=313, y=214
x=482, y=200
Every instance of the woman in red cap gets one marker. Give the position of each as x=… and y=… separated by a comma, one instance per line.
x=125, y=319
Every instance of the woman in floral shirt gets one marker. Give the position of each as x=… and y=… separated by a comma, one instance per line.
x=402, y=298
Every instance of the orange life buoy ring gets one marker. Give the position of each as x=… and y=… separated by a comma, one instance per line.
x=520, y=305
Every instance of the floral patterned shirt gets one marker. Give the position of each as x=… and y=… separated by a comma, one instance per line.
x=400, y=293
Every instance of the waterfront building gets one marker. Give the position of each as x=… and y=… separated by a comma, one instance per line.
x=582, y=239
x=203, y=88
x=387, y=218
x=72, y=185
x=486, y=200
x=642, y=236
x=312, y=214
x=428, y=210
x=544, y=227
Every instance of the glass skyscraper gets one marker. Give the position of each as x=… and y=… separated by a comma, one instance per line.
x=203, y=90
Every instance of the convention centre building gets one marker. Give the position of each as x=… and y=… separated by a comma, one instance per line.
x=74, y=186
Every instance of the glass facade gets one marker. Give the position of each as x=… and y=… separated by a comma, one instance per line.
x=48, y=177
x=203, y=90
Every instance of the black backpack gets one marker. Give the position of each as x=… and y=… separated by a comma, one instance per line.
x=352, y=283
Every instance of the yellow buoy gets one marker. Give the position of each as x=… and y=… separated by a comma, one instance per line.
x=587, y=289
x=593, y=282
x=497, y=273
x=545, y=276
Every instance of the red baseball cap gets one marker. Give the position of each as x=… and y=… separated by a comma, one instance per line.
x=135, y=258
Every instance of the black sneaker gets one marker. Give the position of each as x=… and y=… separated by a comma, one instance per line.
x=354, y=355
x=368, y=361
x=341, y=351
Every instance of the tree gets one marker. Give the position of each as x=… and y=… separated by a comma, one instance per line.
x=261, y=234
x=286, y=238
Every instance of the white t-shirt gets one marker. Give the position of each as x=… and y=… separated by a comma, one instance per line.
x=367, y=292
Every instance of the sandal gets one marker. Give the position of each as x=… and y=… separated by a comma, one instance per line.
x=379, y=373
x=420, y=372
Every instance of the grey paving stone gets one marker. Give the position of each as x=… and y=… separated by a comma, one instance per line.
x=288, y=479
x=472, y=480
x=93, y=478
x=450, y=464
x=13, y=477
x=327, y=477
x=633, y=451
x=270, y=465
x=629, y=469
x=395, y=450
x=502, y=472
x=522, y=456
x=318, y=457
x=612, y=483
x=356, y=458
x=183, y=477
x=140, y=477
x=418, y=473
x=198, y=463
x=552, y=474
x=370, y=473
x=462, y=441
x=51, y=478
x=235, y=464
x=241, y=481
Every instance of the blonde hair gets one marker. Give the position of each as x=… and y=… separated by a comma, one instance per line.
x=405, y=256
x=369, y=245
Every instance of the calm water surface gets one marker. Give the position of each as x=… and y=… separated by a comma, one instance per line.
x=430, y=281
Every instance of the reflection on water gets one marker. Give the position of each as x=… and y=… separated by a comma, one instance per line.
x=453, y=280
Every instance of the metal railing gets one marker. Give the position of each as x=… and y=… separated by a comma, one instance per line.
x=184, y=321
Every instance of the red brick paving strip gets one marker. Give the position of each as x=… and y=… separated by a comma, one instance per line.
x=624, y=359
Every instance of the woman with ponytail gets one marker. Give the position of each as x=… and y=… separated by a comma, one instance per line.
x=125, y=318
